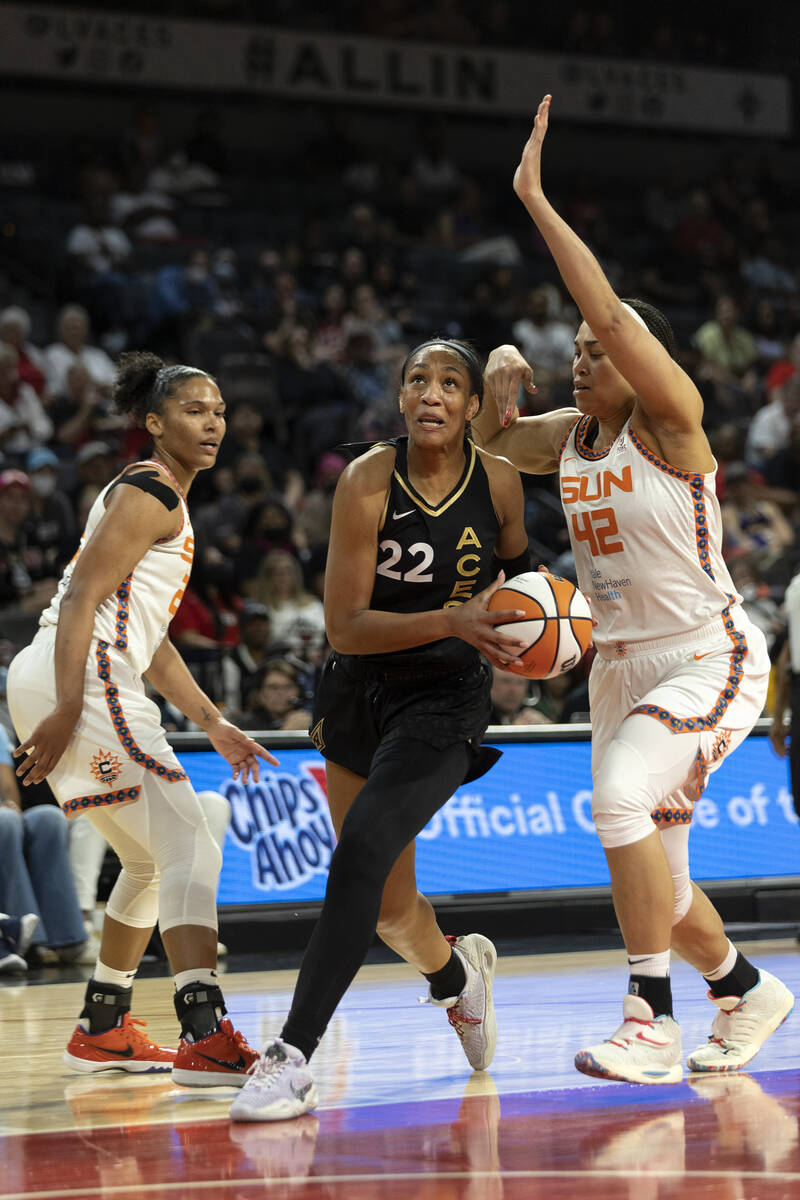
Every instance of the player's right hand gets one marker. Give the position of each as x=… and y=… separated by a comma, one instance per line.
x=45, y=745
x=505, y=370
x=473, y=623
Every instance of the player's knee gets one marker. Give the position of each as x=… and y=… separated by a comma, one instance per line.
x=683, y=896
x=622, y=797
x=217, y=811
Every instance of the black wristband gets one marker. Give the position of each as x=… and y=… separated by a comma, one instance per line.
x=511, y=566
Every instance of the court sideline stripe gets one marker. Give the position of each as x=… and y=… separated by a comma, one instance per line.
x=396, y=1177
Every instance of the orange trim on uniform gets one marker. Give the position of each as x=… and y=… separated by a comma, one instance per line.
x=725, y=697
x=580, y=442
x=565, y=438
x=697, y=486
x=668, y=818
x=121, y=728
x=123, y=612
x=82, y=804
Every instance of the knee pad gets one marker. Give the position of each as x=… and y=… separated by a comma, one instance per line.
x=676, y=847
x=217, y=811
x=622, y=797
x=683, y=895
x=134, y=897
x=189, y=875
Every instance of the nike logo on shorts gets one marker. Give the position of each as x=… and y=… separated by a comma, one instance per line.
x=697, y=657
x=239, y=1065
x=396, y=516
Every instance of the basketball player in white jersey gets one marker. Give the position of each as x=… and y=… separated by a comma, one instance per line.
x=78, y=704
x=680, y=674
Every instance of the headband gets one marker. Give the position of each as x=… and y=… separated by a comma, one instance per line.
x=636, y=316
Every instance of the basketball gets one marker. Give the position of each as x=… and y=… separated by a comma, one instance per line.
x=558, y=628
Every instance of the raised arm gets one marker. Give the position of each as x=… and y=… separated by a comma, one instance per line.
x=352, y=626
x=666, y=393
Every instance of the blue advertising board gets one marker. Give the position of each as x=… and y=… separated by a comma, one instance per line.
x=526, y=825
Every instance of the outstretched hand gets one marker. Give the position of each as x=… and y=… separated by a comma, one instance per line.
x=473, y=623
x=240, y=750
x=528, y=175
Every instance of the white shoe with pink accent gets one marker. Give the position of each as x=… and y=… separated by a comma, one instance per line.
x=645, y=1048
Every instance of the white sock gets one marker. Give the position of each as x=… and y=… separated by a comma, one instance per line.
x=726, y=966
x=206, y=975
x=104, y=974
x=655, y=965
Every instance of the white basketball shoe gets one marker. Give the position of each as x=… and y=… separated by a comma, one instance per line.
x=280, y=1086
x=742, y=1025
x=645, y=1048
x=472, y=1012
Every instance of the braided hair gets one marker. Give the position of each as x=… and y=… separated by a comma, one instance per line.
x=657, y=323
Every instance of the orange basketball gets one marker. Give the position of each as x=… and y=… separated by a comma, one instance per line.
x=558, y=628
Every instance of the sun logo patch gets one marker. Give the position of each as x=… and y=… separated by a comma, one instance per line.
x=106, y=767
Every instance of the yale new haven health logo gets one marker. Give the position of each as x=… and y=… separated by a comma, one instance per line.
x=283, y=823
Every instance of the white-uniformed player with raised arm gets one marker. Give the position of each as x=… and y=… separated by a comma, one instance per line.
x=78, y=704
x=680, y=674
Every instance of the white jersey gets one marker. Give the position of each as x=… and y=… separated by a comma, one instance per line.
x=646, y=537
x=134, y=618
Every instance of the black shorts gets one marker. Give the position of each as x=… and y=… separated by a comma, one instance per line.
x=355, y=711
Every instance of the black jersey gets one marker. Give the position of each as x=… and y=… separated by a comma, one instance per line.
x=433, y=556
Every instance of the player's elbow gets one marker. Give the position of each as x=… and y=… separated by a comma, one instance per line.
x=80, y=596
x=341, y=635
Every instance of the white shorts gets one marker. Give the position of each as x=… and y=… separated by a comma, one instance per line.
x=710, y=683
x=118, y=737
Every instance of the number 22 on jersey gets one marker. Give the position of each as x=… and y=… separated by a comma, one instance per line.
x=419, y=573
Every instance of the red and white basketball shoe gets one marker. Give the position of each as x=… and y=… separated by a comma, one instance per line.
x=123, y=1048
x=221, y=1059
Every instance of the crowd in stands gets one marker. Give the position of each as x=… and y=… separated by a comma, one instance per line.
x=303, y=301
x=305, y=334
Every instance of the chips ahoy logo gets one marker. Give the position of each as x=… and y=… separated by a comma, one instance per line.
x=284, y=824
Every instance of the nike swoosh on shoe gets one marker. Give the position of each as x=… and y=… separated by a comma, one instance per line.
x=239, y=1065
x=119, y=1053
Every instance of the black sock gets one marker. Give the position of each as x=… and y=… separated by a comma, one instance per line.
x=449, y=980
x=738, y=981
x=200, y=1008
x=104, y=1006
x=306, y=1043
x=656, y=990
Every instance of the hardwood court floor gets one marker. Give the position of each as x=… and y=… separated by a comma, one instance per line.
x=401, y=1117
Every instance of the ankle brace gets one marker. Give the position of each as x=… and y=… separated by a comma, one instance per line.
x=199, y=1008
x=104, y=1006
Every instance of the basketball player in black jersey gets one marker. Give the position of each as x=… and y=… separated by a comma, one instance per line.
x=425, y=528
